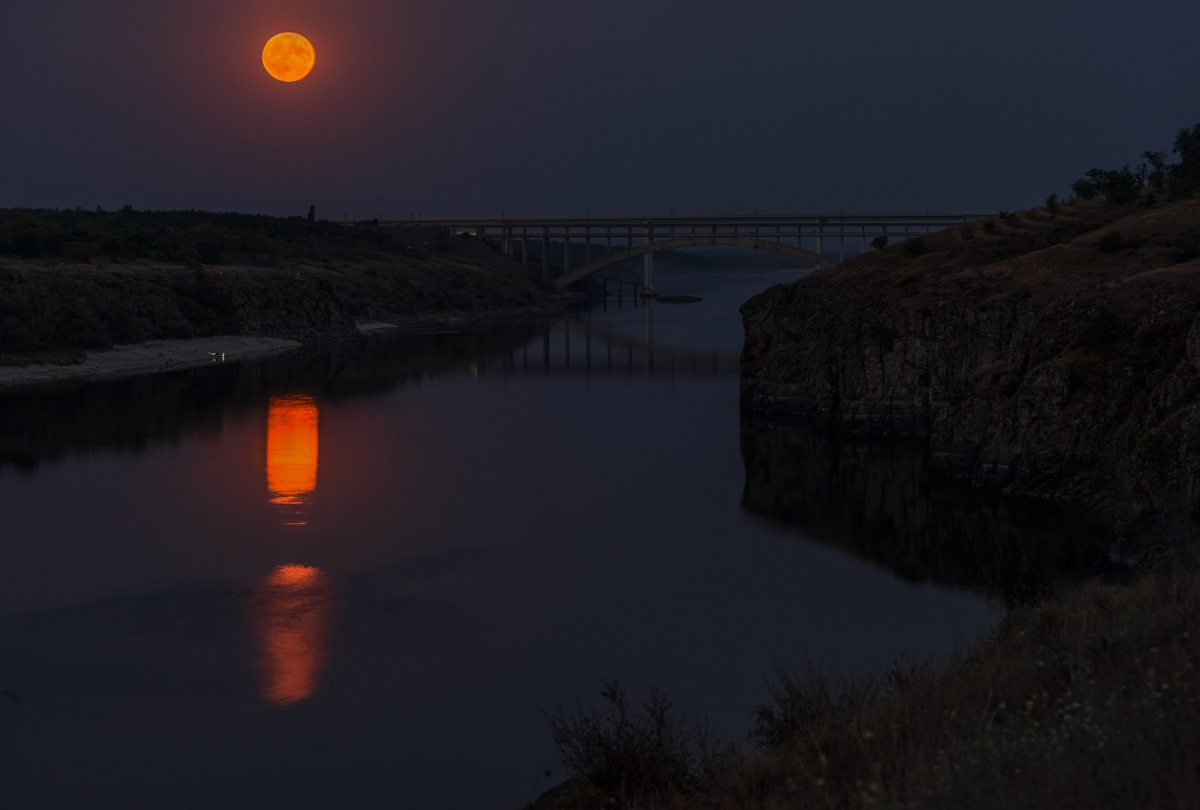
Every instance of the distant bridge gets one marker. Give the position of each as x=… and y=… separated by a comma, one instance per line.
x=803, y=237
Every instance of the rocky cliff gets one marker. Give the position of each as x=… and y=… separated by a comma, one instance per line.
x=1054, y=355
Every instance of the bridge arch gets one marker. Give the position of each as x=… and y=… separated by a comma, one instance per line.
x=678, y=243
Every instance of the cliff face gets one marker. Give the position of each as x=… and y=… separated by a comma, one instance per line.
x=1038, y=354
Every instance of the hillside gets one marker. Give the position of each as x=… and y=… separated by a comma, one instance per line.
x=1051, y=354
x=88, y=280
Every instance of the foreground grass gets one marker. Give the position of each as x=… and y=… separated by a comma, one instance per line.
x=1091, y=701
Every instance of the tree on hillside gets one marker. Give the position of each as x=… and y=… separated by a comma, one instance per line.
x=1184, y=176
x=1181, y=180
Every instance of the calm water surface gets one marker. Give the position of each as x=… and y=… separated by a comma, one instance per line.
x=355, y=576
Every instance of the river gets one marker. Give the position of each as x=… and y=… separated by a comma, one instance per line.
x=357, y=575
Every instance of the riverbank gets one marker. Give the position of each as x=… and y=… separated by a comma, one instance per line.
x=155, y=355
x=78, y=280
x=1091, y=701
x=169, y=355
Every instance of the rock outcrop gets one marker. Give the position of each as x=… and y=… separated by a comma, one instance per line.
x=1039, y=353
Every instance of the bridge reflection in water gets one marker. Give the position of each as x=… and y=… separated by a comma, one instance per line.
x=292, y=603
x=585, y=349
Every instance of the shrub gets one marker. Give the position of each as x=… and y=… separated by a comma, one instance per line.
x=1158, y=169
x=968, y=231
x=1085, y=187
x=800, y=700
x=27, y=246
x=1183, y=178
x=1052, y=203
x=914, y=247
x=210, y=251
x=880, y=242
x=630, y=753
x=1121, y=186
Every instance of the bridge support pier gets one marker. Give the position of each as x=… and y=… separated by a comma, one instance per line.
x=648, y=317
x=649, y=264
x=546, y=255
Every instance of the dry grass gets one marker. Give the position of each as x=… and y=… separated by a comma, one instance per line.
x=1041, y=258
x=1087, y=702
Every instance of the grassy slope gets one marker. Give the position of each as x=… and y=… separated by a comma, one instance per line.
x=89, y=280
x=1038, y=258
x=1089, y=702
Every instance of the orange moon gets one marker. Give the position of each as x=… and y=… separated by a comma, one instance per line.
x=289, y=57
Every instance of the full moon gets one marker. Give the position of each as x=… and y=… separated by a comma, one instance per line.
x=289, y=57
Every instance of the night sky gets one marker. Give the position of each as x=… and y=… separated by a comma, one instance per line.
x=454, y=107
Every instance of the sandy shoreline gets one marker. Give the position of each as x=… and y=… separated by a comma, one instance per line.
x=166, y=355
x=155, y=355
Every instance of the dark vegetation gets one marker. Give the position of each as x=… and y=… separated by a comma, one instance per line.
x=92, y=279
x=1179, y=180
x=1092, y=700
x=1087, y=701
x=191, y=238
x=54, y=357
x=632, y=754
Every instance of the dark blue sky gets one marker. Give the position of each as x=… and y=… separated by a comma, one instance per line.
x=531, y=106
